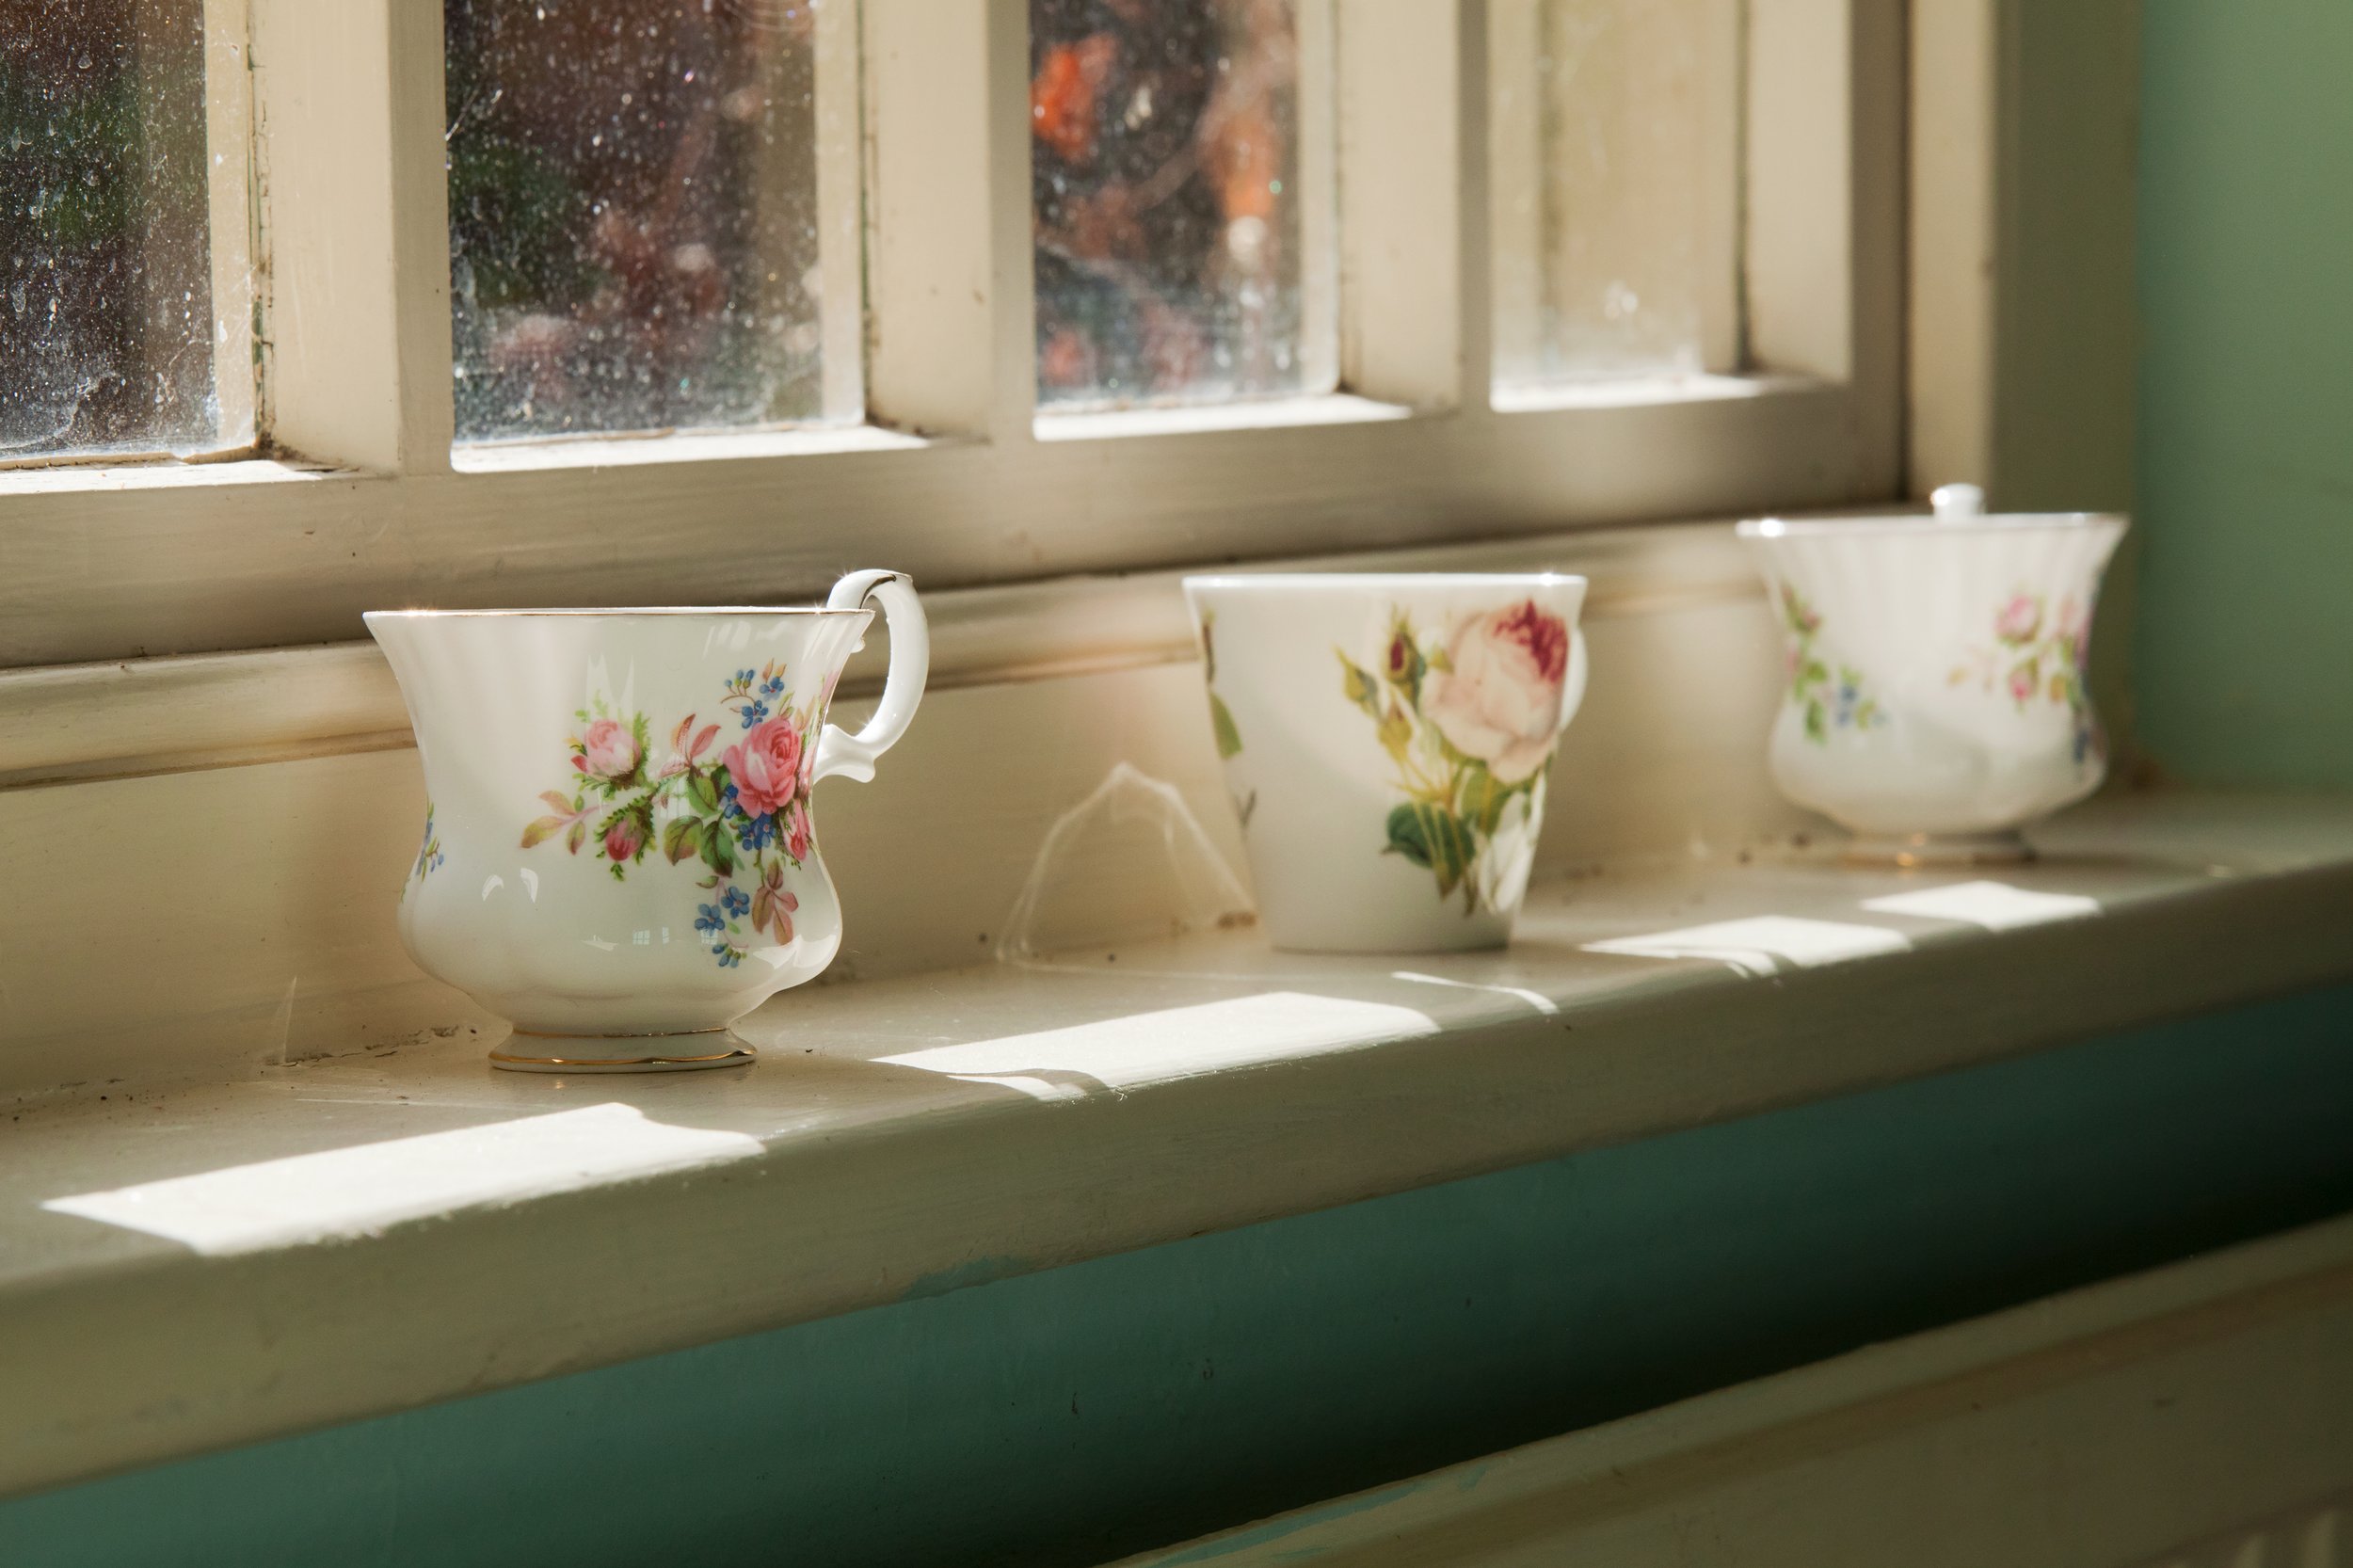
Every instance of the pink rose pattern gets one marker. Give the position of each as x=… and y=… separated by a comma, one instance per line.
x=1469, y=718
x=2038, y=656
x=742, y=812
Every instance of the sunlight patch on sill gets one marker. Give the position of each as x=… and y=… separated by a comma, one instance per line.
x=341, y=1193
x=1638, y=391
x=662, y=446
x=1210, y=418
x=1990, y=906
x=1173, y=1043
x=1759, y=945
x=164, y=474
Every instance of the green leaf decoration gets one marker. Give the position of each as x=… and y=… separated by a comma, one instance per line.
x=682, y=838
x=1358, y=684
x=1407, y=835
x=717, y=850
x=1397, y=733
x=542, y=829
x=1482, y=798
x=705, y=793
x=1816, y=722
x=1221, y=720
x=1435, y=838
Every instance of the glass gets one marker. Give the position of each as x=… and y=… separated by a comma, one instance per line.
x=1615, y=187
x=632, y=214
x=106, y=326
x=1171, y=230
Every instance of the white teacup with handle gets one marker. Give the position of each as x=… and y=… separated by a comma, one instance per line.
x=620, y=855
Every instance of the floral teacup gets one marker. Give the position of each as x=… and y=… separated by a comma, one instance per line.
x=1936, y=697
x=1387, y=738
x=618, y=855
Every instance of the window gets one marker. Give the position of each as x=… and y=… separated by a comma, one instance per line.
x=110, y=331
x=1182, y=199
x=633, y=216
x=1613, y=143
x=571, y=301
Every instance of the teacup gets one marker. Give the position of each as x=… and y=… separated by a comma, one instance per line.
x=618, y=853
x=1386, y=740
x=1936, y=699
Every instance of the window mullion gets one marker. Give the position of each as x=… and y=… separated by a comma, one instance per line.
x=1408, y=82
x=948, y=202
x=229, y=178
x=356, y=228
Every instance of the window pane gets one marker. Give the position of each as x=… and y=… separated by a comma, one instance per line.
x=106, y=324
x=1614, y=170
x=1172, y=223
x=633, y=216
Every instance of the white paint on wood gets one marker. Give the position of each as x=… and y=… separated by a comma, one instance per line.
x=355, y=201
x=154, y=715
x=936, y=288
x=1955, y=83
x=229, y=178
x=1399, y=241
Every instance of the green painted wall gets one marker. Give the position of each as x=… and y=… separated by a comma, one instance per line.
x=1070, y=1416
x=2244, y=646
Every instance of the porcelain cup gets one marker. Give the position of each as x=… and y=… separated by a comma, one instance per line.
x=1386, y=740
x=619, y=856
x=1936, y=699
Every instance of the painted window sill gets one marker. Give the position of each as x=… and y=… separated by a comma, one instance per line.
x=906, y=1137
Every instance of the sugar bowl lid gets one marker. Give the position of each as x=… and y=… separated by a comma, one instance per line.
x=1953, y=507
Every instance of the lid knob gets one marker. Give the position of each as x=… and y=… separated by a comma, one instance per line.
x=1957, y=503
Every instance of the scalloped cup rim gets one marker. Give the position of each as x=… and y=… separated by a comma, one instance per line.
x=1294, y=581
x=1919, y=522
x=619, y=611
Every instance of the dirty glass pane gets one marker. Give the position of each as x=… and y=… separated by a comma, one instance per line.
x=1171, y=222
x=1613, y=168
x=632, y=214
x=105, y=307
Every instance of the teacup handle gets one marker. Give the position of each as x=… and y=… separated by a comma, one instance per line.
x=853, y=756
x=1573, y=688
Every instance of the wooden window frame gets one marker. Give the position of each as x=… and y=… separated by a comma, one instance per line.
x=351, y=499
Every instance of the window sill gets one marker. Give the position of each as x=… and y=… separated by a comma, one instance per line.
x=1285, y=413
x=603, y=451
x=905, y=1138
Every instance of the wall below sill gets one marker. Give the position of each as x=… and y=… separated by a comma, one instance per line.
x=1070, y=1416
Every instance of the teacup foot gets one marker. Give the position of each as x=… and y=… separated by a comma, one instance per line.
x=1938, y=849
x=521, y=1052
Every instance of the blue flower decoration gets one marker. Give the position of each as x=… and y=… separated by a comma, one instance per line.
x=711, y=923
x=773, y=686
x=729, y=805
x=744, y=677
x=737, y=902
x=729, y=958
x=754, y=711
x=756, y=833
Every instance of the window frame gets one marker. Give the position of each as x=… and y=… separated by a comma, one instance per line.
x=353, y=499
